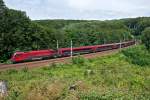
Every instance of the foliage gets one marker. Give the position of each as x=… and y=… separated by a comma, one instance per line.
x=138, y=55
x=78, y=60
x=137, y=25
x=146, y=38
x=25, y=69
x=93, y=33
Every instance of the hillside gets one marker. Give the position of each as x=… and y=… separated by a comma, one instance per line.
x=19, y=33
x=109, y=77
x=135, y=25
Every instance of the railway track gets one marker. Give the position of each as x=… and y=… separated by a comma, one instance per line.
x=41, y=63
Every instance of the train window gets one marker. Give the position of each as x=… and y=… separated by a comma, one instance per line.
x=67, y=51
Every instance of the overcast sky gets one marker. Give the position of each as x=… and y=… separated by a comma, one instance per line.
x=81, y=9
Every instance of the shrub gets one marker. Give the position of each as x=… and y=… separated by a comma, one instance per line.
x=146, y=38
x=8, y=62
x=46, y=91
x=11, y=71
x=78, y=60
x=96, y=96
x=25, y=69
x=13, y=95
x=137, y=55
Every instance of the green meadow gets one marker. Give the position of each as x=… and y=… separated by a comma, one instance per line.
x=122, y=76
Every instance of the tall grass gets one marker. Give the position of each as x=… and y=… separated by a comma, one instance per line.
x=78, y=60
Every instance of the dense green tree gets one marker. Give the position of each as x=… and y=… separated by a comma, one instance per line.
x=13, y=24
x=93, y=33
x=2, y=5
x=137, y=25
x=17, y=32
x=146, y=37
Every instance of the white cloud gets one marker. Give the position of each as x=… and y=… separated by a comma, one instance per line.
x=108, y=5
x=81, y=9
x=81, y=4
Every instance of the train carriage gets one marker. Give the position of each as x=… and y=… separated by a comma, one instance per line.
x=78, y=50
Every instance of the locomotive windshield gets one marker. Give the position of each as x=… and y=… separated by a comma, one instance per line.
x=17, y=54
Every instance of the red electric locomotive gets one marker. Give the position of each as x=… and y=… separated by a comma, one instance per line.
x=32, y=55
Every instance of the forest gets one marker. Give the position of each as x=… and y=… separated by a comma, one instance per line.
x=19, y=33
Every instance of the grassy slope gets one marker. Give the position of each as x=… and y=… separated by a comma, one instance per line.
x=111, y=77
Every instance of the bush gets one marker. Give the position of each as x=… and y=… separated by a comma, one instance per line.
x=137, y=55
x=90, y=96
x=25, y=69
x=11, y=71
x=146, y=38
x=8, y=62
x=78, y=60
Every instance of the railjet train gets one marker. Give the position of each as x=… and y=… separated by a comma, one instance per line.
x=64, y=52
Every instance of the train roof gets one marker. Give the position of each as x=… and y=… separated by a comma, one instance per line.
x=34, y=51
x=84, y=47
